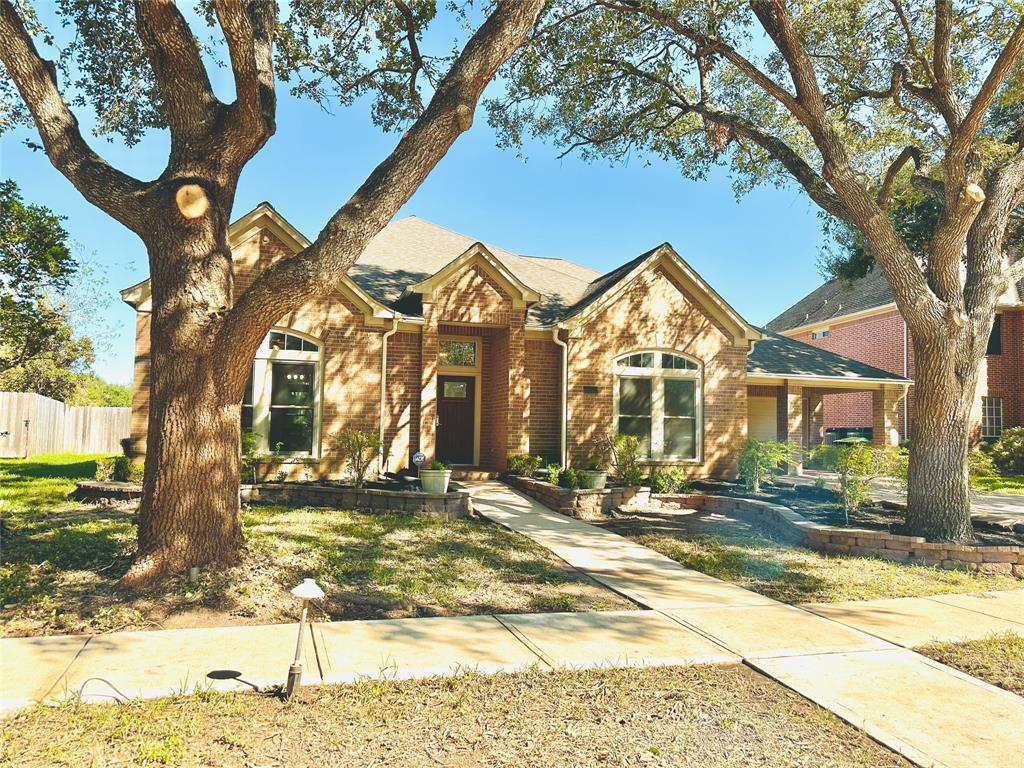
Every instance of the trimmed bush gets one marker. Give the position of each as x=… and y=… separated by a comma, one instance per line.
x=858, y=465
x=553, y=471
x=356, y=449
x=524, y=464
x=669, y=481
x=105, y=469
x=760, y=460
x=625, y=450
x=569, y=478
x=980, y=464
x=1008, y=451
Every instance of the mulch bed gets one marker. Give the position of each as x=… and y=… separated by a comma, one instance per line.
x=820, y=505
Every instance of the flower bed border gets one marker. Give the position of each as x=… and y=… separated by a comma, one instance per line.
x=581, y=503
x=453, y=505
x=1004, y=560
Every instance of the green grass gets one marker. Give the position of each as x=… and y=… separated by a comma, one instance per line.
x=62, y=561
x=997, y=484
x=998, y=659
x=713, y=717
x=792, y=574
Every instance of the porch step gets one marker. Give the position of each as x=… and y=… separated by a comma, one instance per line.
x=473, y=474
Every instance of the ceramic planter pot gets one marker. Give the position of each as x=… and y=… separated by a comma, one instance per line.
x=593, y=479
x=435, y=480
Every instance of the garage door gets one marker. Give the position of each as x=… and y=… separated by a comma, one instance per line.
x=762, y=418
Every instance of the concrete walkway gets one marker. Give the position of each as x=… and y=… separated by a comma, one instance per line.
x=931, y=714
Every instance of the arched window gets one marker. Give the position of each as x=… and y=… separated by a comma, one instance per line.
x=281, y=405
x=658, y=399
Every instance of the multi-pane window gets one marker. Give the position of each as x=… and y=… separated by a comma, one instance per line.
x=991, y=418
x=281, y=401
x=658, y=400
x=822, y=334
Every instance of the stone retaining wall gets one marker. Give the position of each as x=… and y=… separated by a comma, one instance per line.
x=784, y=523
x=582, y=503
x=448, y=506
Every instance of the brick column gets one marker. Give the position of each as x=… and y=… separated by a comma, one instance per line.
x=815, y=417
x=428, y=382
x=518, y=435
x=885, y=414
x=791, y=419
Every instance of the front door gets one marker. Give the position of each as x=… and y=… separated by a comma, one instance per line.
x=456, y=398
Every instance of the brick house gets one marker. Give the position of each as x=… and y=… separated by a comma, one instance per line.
x=471, y=354
x=859, y=319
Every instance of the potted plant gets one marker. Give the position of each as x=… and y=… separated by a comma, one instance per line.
x=435, y=480
x=594, y=476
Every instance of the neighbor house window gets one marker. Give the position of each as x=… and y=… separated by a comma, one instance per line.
x=281, y=404
x=991, y=418
x=995, y=339
x=658, y=400
x=457, y=354
x=822, y=334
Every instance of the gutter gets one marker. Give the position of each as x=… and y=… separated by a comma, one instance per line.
x=563, y=432
x=384, y=387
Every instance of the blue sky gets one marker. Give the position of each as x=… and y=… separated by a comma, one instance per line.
x=759, y=252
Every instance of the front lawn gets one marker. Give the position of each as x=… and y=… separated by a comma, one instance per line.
x=999, y=484
x=998, y=659
x=61, y=562
x=702, y=717
x=733, y=550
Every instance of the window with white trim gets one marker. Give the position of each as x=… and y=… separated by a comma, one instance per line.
x=281, y=404
x=658, y=399
x=991, y=418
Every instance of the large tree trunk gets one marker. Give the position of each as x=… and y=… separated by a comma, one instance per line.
x=189, y=512
x=938, y=487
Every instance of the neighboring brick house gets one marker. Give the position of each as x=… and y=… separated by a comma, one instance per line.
x=472, y=354
x=859, y=319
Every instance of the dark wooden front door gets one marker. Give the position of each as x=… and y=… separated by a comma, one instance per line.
x=455, y=419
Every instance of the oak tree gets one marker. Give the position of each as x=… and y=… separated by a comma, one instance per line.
x=141, y=66
x=858, y=102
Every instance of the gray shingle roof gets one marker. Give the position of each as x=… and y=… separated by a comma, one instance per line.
x=835, y=299
x=777, y=355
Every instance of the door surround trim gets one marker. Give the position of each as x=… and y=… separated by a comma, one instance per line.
x=473, y=373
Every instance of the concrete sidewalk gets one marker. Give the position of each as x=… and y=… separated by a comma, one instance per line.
x=931, y=714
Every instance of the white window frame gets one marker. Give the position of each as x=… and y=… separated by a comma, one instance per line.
x=991, y=418
x=658, y=375
x=262, y=389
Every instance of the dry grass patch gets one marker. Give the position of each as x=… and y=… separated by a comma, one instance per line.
x=998, y=659
x=704, y=717
x=62, y=561
x=733, y=550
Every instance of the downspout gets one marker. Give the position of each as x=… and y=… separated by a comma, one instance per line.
x=384, y=388
x=563, y=435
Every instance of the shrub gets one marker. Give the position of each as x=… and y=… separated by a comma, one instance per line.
x=105, y=469
x=760, y=459
x=553, y=471
x=250, y=455
x=857, y=465
x=1008, y=451
x=980, y=464
x=438, y=466
x=126, y=446
x=524, y=464
x=356, y=449
x=569, y=478
x=625, y=453
x=669, y=481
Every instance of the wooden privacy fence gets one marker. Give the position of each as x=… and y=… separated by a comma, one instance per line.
x=31, y=424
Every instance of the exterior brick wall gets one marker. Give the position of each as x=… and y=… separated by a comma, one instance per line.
x=656, y=312
x=544, y=371
x=1005, y=372
x=402, y=410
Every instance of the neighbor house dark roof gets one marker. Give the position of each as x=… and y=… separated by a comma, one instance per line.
x=781, y=357
x=835, y=299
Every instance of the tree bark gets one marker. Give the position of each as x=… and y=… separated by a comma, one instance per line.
x=938, y=487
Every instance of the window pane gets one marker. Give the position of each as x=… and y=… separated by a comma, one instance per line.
x=292, y=342
x=247, y=397
x=635, y=397
x=675, y=362
x=293, y=384
x=460, y=353
x=455, y=389
x=309, y=346
x=291, y=430
x=639, y=426
x=247, y=418
x=680, y=438
x=276, y=340
x=679, y=397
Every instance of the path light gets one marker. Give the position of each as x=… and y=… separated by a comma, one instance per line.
x=306, y=591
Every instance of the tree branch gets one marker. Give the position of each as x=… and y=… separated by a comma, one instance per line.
x=986, y=278
x=190, y=106
x=414, y=48
x=908, y=154
x=107, y=188
x=285, y=285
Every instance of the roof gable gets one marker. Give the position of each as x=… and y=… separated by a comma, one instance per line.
x=480, y=257
x=609, y=287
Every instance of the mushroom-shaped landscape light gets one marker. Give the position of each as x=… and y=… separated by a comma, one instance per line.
x=306, y=591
